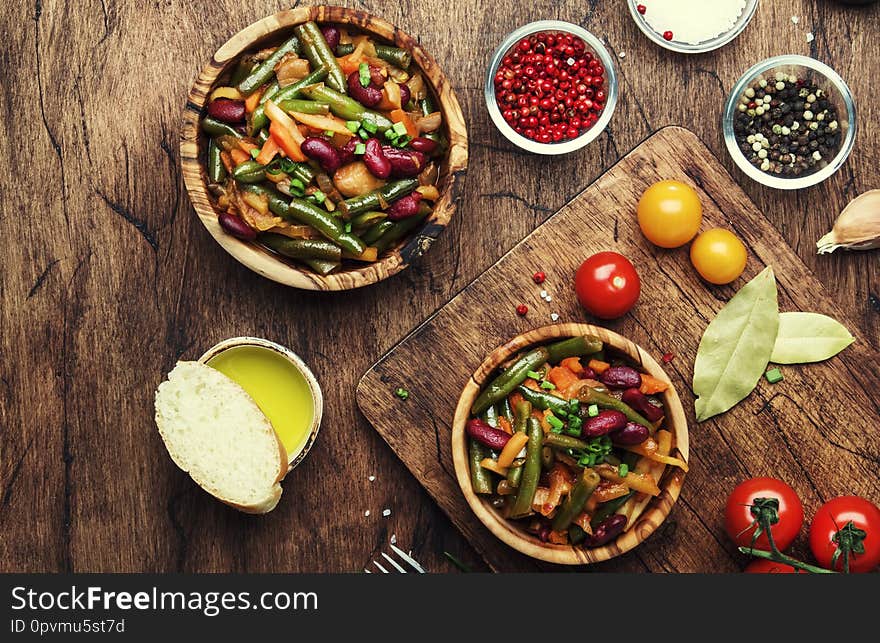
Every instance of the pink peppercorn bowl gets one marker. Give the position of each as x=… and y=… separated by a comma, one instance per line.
x=610, y=87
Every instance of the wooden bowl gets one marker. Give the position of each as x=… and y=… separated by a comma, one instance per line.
x=512, y=534
x=269, y=31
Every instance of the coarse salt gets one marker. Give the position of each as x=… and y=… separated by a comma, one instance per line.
x=371, y=478
x=795, y=20
x=367, y=513
x=386, y=512
x=554, y=317
x=810, y=37
x=693, y=21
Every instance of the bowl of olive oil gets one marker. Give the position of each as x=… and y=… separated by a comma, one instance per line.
x=280, y=383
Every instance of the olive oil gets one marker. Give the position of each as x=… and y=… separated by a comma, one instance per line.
x=278, y=388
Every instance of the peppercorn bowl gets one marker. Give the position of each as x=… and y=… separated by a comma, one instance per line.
x=551, y=87
x=680, y=46
x=807, y=131
x=398, y=251
x=514, y=534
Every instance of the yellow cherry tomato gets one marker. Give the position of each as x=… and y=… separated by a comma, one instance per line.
x=670, y=213
x=719, y=256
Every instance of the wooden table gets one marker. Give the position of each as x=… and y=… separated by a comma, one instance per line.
x=108, y=278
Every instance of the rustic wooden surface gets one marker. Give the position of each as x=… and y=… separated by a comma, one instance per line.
x=785, y=430
x=108, y=277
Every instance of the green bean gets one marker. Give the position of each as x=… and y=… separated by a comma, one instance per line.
x=573, y=347
x=304, y=106
x=503, y=385
x=321, y=266
x=394, y=55
x=318, y=52
x=301, y=248
x=346, y=107
x=543, y=400
x=216, y=169
x=523, y=413
x=343, y=49
x=309, y=214
x=514, y=473
x=387, y=193
x=244, y=67
x=607, y=508
x=400, y=229
x=218, y=128
x=528, y=484
x=562, y=441
x=481, y=479
x=375, y=232
x=576, y=535
x=505, y=410
x=262, y=136
x=589, y=395
x=368, y=218
x=577, y=498
x=277, y=203
x=263, y=72
x=259, y=119
x=249, y=172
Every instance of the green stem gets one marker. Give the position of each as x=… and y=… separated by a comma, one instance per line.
x=778, y=557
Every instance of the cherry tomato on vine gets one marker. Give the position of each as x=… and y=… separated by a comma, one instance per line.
x=752, y=497
x=670, y=213
x=764, y=566
x=848, y=522
x=607, y=285
x=719, y=256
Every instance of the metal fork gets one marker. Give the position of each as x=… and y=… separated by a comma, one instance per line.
x=405, y=557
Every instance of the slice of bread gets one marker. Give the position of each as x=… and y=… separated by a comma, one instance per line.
x=215, y=432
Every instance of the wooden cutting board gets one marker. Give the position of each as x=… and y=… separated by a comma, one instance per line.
x=816, y=429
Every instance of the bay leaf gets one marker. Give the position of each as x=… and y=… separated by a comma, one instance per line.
x=736, y=347
x=808, y=337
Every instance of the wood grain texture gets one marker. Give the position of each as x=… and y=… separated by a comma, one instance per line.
x=785, y=430
x=270, y=31
x=641, y=526
x=108, y=277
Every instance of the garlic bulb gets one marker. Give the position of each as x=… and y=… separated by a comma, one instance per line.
x=857, y=227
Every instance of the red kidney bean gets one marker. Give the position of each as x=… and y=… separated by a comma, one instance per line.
x=367, y=96
x=374, y=159
x=404, y=163
x=346, y=152
x=227, y=110
x=630, y=435
x=486, y=434
x=606, y=531
x=637, y=400
x=621, y=377
x=405, y=94
x=236, y=227
x=424, y=145
x=589, y=374
x=331, y=35
x=607, y=421
x=404, y=208
x=320, y=150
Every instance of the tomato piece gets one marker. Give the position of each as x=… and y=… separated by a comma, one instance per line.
x=607, y=285
x=764, y=566
x=740, y=523
x=670, y=213
x=833, y=517
x=719, y=256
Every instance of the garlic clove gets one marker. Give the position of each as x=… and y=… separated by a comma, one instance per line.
x=857, y=227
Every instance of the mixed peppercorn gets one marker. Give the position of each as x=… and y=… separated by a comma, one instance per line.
x=549, y=88
x=787, y=126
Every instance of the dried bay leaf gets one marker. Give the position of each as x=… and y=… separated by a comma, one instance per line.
x=736, y=347
x=808, y=337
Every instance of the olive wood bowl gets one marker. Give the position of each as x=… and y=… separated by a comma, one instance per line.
x=515, y=536
x=193, y=143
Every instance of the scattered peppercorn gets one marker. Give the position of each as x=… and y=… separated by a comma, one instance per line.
x=539, y=277
x=402, y=393
x=667, y=357
x=667, y=35
x=787, y=126
x=521, y=310
x=641, y=9
x=549, y=88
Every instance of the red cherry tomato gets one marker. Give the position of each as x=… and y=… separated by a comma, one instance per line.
x=607, y=285
x=764, y=566
x=834, y=516
x=740, y=523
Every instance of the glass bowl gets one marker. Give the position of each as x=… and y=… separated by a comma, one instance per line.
x=611, y=90
x=687, y=48
x=802, y=67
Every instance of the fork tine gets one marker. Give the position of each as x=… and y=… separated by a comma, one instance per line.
x=407, y=558
x=376, y=563
x=393, y=562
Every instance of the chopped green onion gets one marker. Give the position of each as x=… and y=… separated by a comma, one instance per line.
x=403, y=141
x=353, y=126
x=574, y=405
x=560, y=413
x=255, y=153
x=369, y=126
x=554, y=421
x=296, y=183
x=774, y=375
x=348, y=227
x=592, y=410
x=390, y=134
x=623, y=469
x=364, y=134
x=400, y=128
x=402, y=393
x=573, y=431
x=319, y=196
x=548, y=386
x=360, y=149
x=287, y=166
x=297, y=192
x=329, y=133
x=364, y=74
x=533, y=374
x=575, y=422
